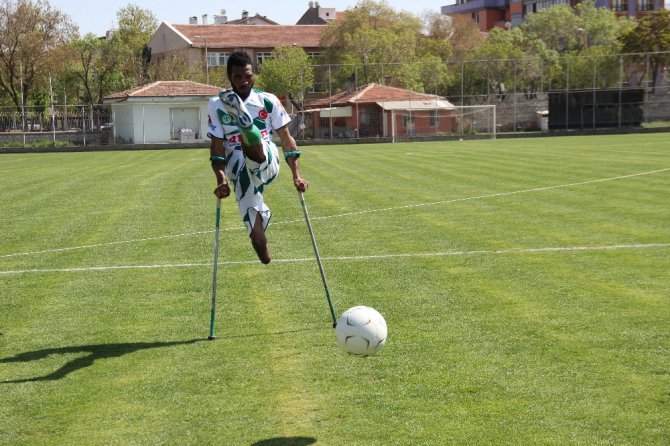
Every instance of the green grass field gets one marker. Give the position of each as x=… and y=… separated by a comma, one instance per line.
x=525, y=283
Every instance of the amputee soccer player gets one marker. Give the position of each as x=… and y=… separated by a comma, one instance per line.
x=242, y=121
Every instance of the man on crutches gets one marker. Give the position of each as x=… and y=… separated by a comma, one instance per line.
x=241, y=123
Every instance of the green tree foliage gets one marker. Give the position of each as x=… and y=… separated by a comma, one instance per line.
x=576, y=30
x=136, y=26
x=556, y=27
x=287, y=73
x=176, y=67
x=601, y=27
x=96, y=65
x=30, y=32
x=585, y=36
x=508, y=60
x=374, y=43
x=652, y=34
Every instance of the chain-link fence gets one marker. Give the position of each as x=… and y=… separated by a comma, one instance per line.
x=67, y=125
x=345, y=102
x=530, y=94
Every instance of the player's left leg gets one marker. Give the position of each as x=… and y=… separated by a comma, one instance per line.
x=252, y=141
x=262, y=174
x=259, y=241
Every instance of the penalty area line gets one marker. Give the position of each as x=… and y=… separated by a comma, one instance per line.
x=345, y=258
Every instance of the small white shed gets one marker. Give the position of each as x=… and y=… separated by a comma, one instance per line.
x=161, y=112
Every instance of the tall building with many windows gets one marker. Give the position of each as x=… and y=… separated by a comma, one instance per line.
x=505, y=13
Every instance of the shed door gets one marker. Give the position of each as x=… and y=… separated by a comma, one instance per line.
x=185, y=118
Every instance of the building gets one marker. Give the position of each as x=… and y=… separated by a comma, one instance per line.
x=245, y=19
x=214, y=43
x=377, y=110
x=317, y=15
x=161, y=112
x=504, y=13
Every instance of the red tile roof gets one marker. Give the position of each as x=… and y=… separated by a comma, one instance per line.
x=370, y=93
x=253, y=36
x=167, y=89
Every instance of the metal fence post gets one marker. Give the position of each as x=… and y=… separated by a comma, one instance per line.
x=567, y=93
x=83, y=123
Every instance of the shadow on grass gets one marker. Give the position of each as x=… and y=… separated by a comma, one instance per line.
x=94, y=352
x=104, y=351
x=286, y=441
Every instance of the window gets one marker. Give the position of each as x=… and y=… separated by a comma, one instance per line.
x=645, y=5
x=313, y=55
x=516, y=19
x=539, y=5
x=261, y=57
x=217, y=59
x=620, y=5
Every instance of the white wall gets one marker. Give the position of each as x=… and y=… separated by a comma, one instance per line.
x=151, y=122
x=123, y=123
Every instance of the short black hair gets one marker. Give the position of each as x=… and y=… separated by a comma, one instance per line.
x=238, y=59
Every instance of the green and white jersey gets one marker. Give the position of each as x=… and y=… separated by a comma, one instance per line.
x=265, y=109
x=248, y=177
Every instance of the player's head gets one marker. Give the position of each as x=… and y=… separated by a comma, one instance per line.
x=240, y=73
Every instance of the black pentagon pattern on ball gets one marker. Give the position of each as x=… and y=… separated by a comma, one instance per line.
x=361, y=331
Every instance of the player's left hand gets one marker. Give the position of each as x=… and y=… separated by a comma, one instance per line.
x=300, y=184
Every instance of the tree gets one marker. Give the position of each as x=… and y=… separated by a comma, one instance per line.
x=373, y=43
x=30, y=30
x=508, y=61
x=287, y=73
x=651, y=35
x=575, y=30
x=136, y=25
x=176, y=67
x=464, y=36
x=97, y=66
x=586, y=37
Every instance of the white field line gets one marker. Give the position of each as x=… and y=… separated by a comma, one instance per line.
x=348, y=214
x=346, y=258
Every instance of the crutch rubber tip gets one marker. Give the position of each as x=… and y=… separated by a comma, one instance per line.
x=334, y=324
x=211, y=338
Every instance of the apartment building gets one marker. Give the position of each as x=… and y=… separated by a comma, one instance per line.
x=506, y=13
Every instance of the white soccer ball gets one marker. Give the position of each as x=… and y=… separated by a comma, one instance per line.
x=361, y=331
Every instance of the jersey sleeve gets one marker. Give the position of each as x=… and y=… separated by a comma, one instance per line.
x=279, y=117
x=214, y=126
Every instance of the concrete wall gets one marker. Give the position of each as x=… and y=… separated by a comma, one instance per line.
x=166, y=40
x=151, y=122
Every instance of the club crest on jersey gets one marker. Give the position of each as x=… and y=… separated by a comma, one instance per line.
x=224, y=117
x=263, y=114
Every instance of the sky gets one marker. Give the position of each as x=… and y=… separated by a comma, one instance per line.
x=99, y=16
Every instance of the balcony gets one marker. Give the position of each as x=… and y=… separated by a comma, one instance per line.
x=475, y=5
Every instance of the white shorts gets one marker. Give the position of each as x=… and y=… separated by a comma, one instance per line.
x=250, y=179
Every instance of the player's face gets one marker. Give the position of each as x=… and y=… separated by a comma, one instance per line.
x=242, y=80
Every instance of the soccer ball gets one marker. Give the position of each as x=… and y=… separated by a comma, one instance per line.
x=361, y=331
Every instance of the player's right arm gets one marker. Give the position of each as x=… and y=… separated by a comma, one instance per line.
x=217, y=151
x=217, y=155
